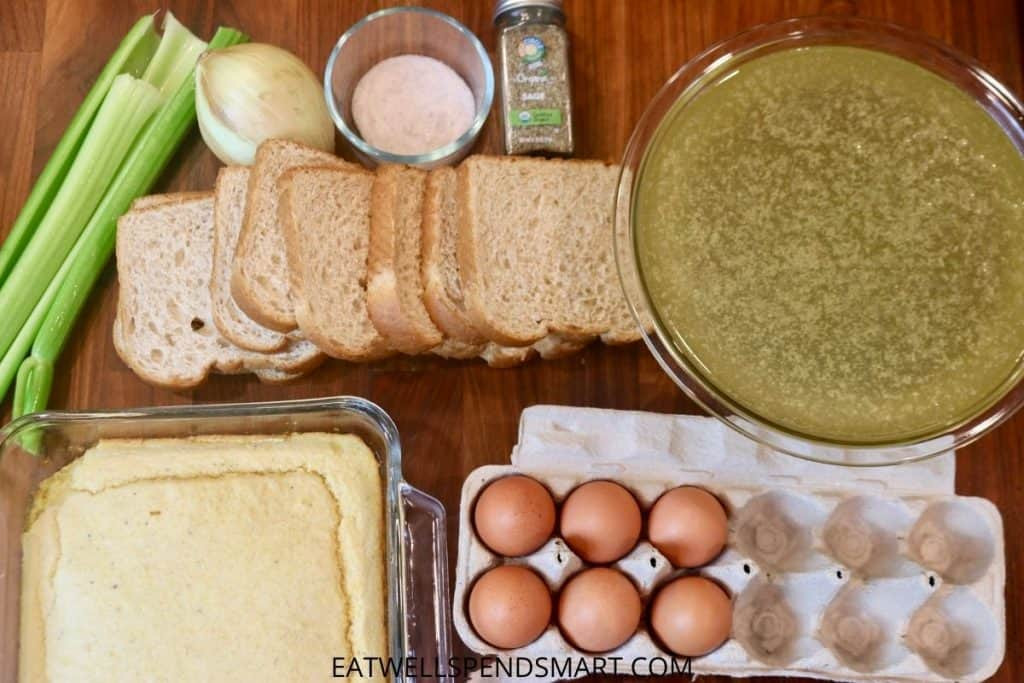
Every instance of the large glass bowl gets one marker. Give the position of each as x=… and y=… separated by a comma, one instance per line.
x=705, y=70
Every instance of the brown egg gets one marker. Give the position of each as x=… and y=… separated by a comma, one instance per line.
x=599, y=609
x=601, y=521
x=692, y=616
x=688, y=525
x=514, y=515
x=510, y=606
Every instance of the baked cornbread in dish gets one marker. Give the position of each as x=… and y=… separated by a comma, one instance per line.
x=205, y=559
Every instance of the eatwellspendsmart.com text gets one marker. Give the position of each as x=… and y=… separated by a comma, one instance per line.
x=507, y=667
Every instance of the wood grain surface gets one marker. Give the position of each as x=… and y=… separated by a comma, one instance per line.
x=456, y=416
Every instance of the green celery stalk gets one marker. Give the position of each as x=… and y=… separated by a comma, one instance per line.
x=175, y=59
x=141, y=170
x=129, y=105
x=131, y=56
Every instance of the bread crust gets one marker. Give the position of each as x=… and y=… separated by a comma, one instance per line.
x=261, y=302
x=383, y=296
x=151, y=201
x=448, y=315
x=498, y=356
x=243, y=288
x=231, y=323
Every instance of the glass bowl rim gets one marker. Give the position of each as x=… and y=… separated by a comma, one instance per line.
x=999, y=103
x=434, y=155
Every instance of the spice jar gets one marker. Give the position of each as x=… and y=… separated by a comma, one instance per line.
x=536, y=93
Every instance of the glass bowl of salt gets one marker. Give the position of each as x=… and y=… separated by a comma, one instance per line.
x=409, y=85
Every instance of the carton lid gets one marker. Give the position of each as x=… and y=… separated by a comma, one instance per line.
x=604, y=442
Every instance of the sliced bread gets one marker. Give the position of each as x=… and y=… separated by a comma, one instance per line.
x=442, y=285
x=164, y=329
x=325, y=213
x=439, y=272
x=395, y=287
x=535, y=250
x=228, y=212
x=259, y=278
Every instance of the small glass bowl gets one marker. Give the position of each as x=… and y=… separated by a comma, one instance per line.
x=399, y=31
x=706, y=69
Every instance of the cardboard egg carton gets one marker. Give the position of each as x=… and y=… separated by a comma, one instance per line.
x=878, y=574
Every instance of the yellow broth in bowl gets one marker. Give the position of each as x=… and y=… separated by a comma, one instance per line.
x=833, y=237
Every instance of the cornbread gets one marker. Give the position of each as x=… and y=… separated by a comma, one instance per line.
x=205, y=559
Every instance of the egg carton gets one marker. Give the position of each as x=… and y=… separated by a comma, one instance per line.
x=879, y=574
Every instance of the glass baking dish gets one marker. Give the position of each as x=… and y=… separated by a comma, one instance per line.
x=35, y=446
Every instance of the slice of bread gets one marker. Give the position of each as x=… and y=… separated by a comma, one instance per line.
x=297, y=352
x=395, y=287
x=442, y=285
x=325, y=213
x=164, y=329
x=228, y=212
x=535, y=250
x=259, y=278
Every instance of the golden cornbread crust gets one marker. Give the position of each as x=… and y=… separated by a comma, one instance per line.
x=210, y=558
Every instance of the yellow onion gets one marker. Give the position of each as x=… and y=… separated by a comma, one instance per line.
x=253, y=92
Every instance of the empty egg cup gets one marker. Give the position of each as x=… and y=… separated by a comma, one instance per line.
x=861, y=626
x=863, y=534
x=401, y=31
x=953, y=540
x=777, y=531
x=775, y=621
x=953, y=633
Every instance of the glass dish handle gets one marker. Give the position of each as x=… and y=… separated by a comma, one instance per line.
x=424, y=583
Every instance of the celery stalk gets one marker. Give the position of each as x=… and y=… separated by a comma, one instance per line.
x=128, y=106
x=175, y=59
x=131, y=56
x=27, y=335
x=140, y=171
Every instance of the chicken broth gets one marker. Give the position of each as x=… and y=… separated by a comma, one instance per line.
x=833, y=237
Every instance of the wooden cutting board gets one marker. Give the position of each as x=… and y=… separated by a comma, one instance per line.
x=455, y=416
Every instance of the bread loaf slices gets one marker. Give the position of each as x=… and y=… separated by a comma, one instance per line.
x=228, y=211
x=164, y=329
x=325, y=213
x=442, y=284
x=259, y=280
x=535, y=250
x=266, y=375
x=395, y=287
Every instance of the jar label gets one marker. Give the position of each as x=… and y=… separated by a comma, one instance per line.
x=535, y=117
